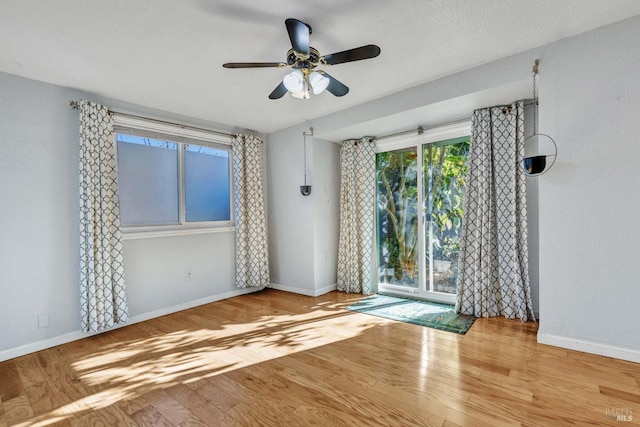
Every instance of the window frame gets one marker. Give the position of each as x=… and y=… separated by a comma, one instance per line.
x=429, y=136
x=183, y=136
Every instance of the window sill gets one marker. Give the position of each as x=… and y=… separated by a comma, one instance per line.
x=135, y=233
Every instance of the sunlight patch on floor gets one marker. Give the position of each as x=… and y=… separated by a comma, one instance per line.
x=187, y=356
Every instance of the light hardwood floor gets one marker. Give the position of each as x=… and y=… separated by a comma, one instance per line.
x=279, y=359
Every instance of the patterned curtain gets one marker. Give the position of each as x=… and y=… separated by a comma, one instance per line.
x=252, y=256
x=103, y=300
x=357, y=217
x=494, y=278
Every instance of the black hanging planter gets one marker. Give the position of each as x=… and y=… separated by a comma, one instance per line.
x=534, y=165
x=305, y=190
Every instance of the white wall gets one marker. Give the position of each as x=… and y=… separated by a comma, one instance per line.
x=39, y=228
x=303, y=230
x=326, y=198
x=589, y=203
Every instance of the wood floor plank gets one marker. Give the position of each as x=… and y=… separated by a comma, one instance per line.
x=17, y=410
x=620, y=394
x=132, y=404
x=255, y=413
x=29, y=370
x=275, y=358
x=3, y=419
x=218, y=397
x=116, y=417
x=149, y=416
x=11, y=385
x=199, y=407
x=372, y=405
x=193, y=421
x=42, y=398
x=94, y=419
x=167, y=406
x=253, y=408
x=307, y=401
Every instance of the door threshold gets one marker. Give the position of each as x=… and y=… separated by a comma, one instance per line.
x=416, y=294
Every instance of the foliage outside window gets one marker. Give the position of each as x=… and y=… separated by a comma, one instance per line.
x=444, y=167
x=397, y=177
x=446, y=163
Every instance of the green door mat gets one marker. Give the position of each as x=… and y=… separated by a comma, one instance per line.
x=424, y=313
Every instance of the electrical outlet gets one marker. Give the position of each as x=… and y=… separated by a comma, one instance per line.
x=187, y=276
x=43, y=320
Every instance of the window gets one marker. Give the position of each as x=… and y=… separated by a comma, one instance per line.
x=147, y=181
x=420, y=196
x=170, y=182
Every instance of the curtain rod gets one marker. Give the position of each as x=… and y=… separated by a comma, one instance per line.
x=76, y=106
x=525, y=102
x=421, y=129
x=506, y=108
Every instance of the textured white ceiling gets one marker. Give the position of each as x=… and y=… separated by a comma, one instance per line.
x=168, y=54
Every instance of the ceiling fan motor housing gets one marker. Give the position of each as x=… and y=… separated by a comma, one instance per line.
x=296, y=60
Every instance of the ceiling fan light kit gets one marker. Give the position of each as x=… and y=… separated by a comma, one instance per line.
x=318, y=82
x=302, y=94
x=294, y=81
x=304, y=59
x=298, y=83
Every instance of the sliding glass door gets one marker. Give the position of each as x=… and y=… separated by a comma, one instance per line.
x=398, y=217
x=445, y=167
x=420, y=196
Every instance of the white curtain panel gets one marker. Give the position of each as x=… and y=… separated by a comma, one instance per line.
x=252, y=255
x=103, y=300
x=357, y=217
x=494, y=278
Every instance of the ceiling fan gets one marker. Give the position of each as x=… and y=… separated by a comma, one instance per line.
x=304, y=59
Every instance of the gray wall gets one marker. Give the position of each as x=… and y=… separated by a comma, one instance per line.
x=39, y=243
x=291, y=251
x=39, y=228
x=326, y=218
x=589, y=230
x=303, y=231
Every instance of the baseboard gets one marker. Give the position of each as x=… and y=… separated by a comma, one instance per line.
x=326, y=289
x=601, y=349
x=41, y=345
x=190, y=304
x=304, y=291
x=76, y=335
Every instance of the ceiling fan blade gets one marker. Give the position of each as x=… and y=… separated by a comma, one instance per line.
x=299, y=35
x=357, y=54
x=278, y=92
x=335, y=86
x=254, y=64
